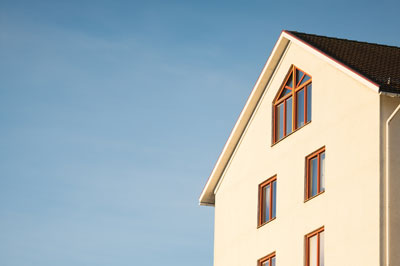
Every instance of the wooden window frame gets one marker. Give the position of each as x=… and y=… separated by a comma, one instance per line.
x=296, y=88
x=316, y=154
x=307, y=245
x=261, y=208
x=267, y=258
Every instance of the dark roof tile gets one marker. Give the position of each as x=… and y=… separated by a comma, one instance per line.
x=379, y=63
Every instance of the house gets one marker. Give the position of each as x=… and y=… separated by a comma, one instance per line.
x=310, y=174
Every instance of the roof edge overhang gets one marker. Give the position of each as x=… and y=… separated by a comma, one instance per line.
x=333, y=61
x=207, y=197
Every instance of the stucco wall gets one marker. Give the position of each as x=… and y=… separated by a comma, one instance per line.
x=345, y=119
x=388, y=106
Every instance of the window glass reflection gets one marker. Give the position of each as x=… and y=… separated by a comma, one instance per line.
x=309, y=94
x=313, y=246
x=321, y=249
x=289, y=115
x=300, y=108
x=313, y=176
x=267, y=199
x=299, y=75
x=273, y=199
x=286, y=91
x=305, y=79
x=322, y=172
x=280, y=118
x=290, y=81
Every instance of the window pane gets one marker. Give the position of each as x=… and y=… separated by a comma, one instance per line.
x=286, y=91
x=273, y=199
x=309, y=94
x=289, y=104
x=305, y=79
x=313, y=250
x=322, y=172
x=290, y=81
x=299, y=74
x=266, y=263
x=273, y=261
x=321, y=249
x=300, y=108
x=279, y=121
x=266, y=202
x=313, y=185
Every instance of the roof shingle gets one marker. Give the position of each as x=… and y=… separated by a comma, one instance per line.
x=379, y=63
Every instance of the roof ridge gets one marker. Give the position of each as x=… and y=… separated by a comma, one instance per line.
x=342, y=39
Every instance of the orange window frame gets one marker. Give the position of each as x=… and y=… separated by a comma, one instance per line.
x=268, y=258
x=307, y=240
x=277, y=101
x=261, y=207
x=317, y=154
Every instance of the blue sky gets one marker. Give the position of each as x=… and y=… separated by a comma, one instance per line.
x=113, y=113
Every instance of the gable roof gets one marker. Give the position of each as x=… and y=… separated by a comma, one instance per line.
x=377, y=62
x=371, y=64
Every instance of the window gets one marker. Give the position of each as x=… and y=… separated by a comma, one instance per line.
x=267, y=260
x=315, y=181
x=267, y=201
x=315, y=248
x=292, y=106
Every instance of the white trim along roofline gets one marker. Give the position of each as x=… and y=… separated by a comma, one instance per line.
x=207, y=196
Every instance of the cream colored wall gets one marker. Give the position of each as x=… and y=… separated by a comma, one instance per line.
x=345, y=119
x=388, y=106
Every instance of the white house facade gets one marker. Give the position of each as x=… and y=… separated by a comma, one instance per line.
x=310, y=174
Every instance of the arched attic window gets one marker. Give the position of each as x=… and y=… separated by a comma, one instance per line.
x=292, y=104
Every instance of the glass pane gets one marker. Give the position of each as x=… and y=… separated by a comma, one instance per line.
x=300, y=108
x=266, y=202
x=321, y=249
x=313, y=185
x=313, y=249
x=309, y=94
x=279, y=121
x=286, y=91
x=299, y=75
x=290, y=81
x=273, y=261
x=266, y=263
x=289, y=103
x=322, y=172
x=305, y=79
x=273, y=199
